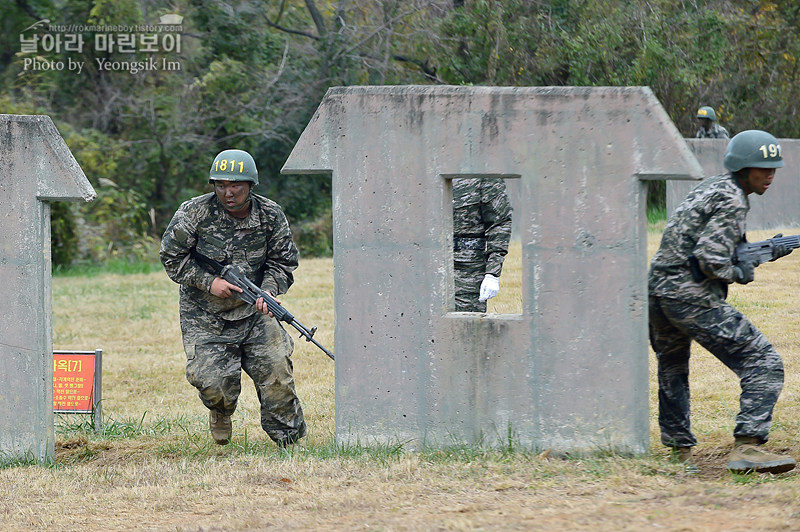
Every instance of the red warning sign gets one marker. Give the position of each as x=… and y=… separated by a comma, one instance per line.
x=73, y=382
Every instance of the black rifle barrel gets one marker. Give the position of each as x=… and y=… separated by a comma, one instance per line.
x=761, y=251
x=251, y=292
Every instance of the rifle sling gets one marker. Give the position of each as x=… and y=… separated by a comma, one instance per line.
x=213, y=265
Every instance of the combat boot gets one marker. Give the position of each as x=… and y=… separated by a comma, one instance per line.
x=683, y=455
x=747, y=456
x=221, y=427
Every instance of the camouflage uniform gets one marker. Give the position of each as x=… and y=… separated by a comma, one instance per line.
x=708, y=225
x=716, y=131
x=223, y=336
x=481, y=232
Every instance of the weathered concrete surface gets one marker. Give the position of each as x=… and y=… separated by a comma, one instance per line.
x=778, y=207
x=571, y=372
x=36, y=167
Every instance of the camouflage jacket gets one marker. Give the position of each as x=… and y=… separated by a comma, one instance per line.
x=481, y=211
x=261, y=244
x=709, y=224
x=715, y=132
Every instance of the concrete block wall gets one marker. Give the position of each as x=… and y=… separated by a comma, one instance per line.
x=571, y=372
x=36, y=167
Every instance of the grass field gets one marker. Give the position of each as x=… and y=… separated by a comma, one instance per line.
x=154, y=467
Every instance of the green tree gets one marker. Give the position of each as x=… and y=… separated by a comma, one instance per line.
x=250, y=73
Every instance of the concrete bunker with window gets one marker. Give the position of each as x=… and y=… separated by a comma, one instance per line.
x=570, y=373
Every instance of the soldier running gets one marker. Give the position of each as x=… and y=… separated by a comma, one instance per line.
x=223, y=335
x=702, y=235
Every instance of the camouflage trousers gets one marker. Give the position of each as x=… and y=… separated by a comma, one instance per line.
x=468, y=279
x=730, y=337
x=218, y=350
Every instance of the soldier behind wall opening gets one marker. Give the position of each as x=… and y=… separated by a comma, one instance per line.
x=482, y=216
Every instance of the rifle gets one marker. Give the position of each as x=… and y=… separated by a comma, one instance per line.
x=761, y=252
x=755, y=252
x=251, y=292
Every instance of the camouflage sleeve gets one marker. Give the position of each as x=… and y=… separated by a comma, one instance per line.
x=282, y=256
x=716, y=243
x=179, y=239
x=496, y=215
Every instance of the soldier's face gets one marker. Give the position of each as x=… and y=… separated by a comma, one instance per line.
x=705, y=123
x=234, y=196
x=759, y=180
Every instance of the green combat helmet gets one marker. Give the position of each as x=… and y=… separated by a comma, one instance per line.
x=753, y=149
x=707, y=112
x=233, y=165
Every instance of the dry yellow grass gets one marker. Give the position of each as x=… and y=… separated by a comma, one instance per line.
x=156, y=470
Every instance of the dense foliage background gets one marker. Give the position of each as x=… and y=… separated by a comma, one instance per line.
x=250, y=73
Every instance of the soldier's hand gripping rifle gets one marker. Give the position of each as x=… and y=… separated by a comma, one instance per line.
x=767, y=250
x=754, y=252
x=251, y=292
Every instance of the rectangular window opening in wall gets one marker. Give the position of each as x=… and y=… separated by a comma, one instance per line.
x=485, y=238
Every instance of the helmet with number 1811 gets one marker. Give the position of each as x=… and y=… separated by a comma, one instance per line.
x=233, y=165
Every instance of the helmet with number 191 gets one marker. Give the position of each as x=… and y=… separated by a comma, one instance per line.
x=233, y=165
x=753, y=149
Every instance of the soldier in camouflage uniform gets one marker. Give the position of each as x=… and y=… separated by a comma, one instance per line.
x=709, y=128
x=481, y=232
x=688, y=283
x=222, y=334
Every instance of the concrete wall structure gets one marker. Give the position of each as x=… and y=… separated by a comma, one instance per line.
x=36, y=167
x=778, y=207
x=571, y=372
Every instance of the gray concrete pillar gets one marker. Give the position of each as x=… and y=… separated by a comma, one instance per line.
x=571, y=372
x=36, y=167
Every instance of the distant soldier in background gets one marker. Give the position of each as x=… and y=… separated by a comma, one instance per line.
x=481, y=232
x=223, y=335
x=709, y=128
x=688, y=284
